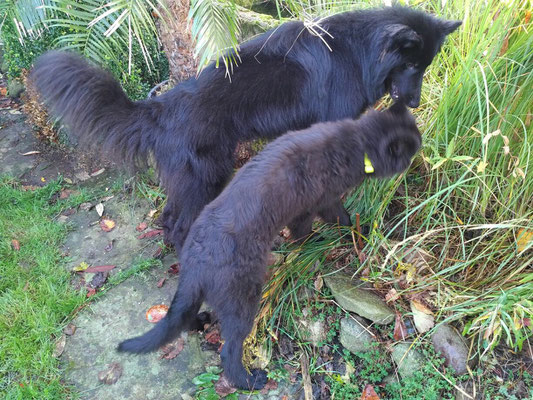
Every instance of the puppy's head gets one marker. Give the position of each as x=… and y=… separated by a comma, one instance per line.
x=391, y=140
x=411, y=40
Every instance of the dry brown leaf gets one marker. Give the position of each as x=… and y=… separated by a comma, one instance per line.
x=172, y=350
x=107, y=225
x=15, y=244
x=96, y=173
x=161, y=282
x=392, y=296
x=400, y=331
x=369, y=393
x=141, y=227
x=155, y=232
x=223, y=387
x=420, y=307
x=270, y=385
x=70, y=329
x=99, y=268
x=110, y=375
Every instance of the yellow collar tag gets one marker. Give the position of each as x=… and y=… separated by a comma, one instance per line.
x=369, y=168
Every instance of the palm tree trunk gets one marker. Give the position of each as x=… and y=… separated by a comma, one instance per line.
x=176, y=38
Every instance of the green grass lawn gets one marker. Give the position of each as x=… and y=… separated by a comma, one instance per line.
x=36, y=299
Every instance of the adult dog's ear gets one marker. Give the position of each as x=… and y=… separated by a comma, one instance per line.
x=400, y=36
x=448, y=27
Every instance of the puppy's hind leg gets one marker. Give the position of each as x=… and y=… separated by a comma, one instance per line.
x=301, y=226
x=237, y=316
x=335, y=213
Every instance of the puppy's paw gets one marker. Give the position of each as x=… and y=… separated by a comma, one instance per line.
x=257, y=380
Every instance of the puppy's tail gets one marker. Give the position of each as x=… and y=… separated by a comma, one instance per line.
x=181, y=315
x=94, y=106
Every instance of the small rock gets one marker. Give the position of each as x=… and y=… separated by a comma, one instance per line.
x=451, y=345
x=14, y=88
x=360, y=301
x=408, y=359
x=354, y=336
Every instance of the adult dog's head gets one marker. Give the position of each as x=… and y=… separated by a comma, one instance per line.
x=410, y=39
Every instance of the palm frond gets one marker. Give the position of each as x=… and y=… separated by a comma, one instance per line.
x=215, y=28
x=105, y=30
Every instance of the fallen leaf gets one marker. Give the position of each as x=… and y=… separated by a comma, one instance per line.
x=15, y=244
x=150, y=234
x=110, y=375
x=31, y=153
x=26, y=188
x=141, y=227
x=523, y=239
x=85, y=206
x=174, y=268
x=270, y=385
x=65, y=194
x=91, y=292
x=400, y=331
x=107, y=225
x=156, y=313
x=223, y=387
x=96, y=173
x=157, y=252
x=213, y=337
x=423, y=321
x=60, y=346
x=319, y=283
x=99, y=268
x=81, y=267
x=70, y=329
x=42, y=179
x=3, y=91
x=392, y=296
x=172, y=350
x=369, y=393
x=161, y=282
x=99, y=209
x=151, y=213
x=420, y=307
x=107, y=198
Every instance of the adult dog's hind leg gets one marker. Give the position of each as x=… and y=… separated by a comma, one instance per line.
x=196, y=189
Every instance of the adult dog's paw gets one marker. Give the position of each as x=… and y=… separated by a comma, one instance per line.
x=257, y=380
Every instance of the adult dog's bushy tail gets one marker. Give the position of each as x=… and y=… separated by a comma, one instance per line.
x=181, y=315
x=94, y=106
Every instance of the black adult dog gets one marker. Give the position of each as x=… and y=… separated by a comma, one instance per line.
x=295, y=178
x=288, y=78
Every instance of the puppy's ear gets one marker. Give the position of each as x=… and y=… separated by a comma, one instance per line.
x=448, y=27
x=399, y=36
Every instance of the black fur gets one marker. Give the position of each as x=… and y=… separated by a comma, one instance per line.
x=288, y=79
x=295, y=178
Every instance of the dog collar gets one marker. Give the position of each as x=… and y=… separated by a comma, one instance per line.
x=369, y=168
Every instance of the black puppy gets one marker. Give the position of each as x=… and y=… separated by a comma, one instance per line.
x=288, y=79
x=295, y=178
